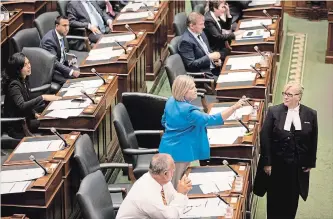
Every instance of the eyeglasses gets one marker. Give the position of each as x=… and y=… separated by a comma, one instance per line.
x=289, y=94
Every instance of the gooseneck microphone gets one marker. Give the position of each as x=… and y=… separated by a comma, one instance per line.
x=258, y=51
x=266, y=13
x=220, y=197
x=227, y=164
x=243, y=124
x=32, y=158
x=258, y=72
x=148, y=8
x=121, y=46
x=270, y=33
x=131, y=30
x=85, y=94
x=93, y=70
x=54, y=131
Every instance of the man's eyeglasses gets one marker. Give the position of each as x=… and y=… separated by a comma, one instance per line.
x=289, y=94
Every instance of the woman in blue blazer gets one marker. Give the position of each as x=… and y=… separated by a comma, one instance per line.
x=185, y=137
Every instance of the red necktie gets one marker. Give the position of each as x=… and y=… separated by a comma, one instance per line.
x=110, y=9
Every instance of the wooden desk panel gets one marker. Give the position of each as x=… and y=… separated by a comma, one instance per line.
x=256, y=11
x=156, y=38
x=175, y=7
x=130, y=69
x=329, y=51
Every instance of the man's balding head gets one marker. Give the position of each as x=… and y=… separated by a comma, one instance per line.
x=161, y=168
x=196, y=22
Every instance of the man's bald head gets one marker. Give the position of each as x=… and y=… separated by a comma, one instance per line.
x=160, y=163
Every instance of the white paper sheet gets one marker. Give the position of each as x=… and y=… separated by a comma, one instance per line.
x=236, y=76
x=225, y=135
x=132, y=7
x=209, y=177
x=121, y=38
x=77, y=91
x=243, y=62
x=100, y=54
x=264, y=2
x=204, y=207
x=65, y=113
x=130, y=16
x=249, y=34
x=14, y=187
x=21, y=175
x=245, y=110
x=68, y=104
x=39, y=146
x=255, y=23
x=149, y=3
x=87, y=84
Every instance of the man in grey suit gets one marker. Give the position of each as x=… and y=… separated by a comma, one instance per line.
x=89, y=15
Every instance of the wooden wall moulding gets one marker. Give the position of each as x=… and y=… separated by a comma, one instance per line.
x=312, y=10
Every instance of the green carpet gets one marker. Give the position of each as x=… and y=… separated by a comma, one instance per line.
x=317, y=78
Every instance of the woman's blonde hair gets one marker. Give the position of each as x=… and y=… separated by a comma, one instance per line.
x=180, y=86
x=296, y=85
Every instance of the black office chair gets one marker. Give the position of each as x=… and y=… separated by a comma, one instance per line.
x=45, y=23
x=236, y=10
x=179, y=23
x=87, y=161
x=173, y=45
x=141, y=106
x=26, y=38
x=42, y=65
x=174, y=66
x=200, y=8
x=195, y=3
x=139, y=157
x=94, y=198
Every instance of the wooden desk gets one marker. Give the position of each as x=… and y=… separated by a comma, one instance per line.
x=259, y=88
x=157, y=29
x=43, y=197
x=70, y=178
x=175, y=7
x=227, y=195
x=256, y=11
x=269, y=44
x=329, y=51
x=130, y=68
x=245, y=118
x=16, y=216
x=31, y=9
x=95, y=120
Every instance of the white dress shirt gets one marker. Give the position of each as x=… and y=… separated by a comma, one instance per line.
x=93, y=18
x=63, y=52
x=144, y=200
x=293, y=117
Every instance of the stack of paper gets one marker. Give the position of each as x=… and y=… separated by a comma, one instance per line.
x=120, y=38
x=14, y=187
x=236, y=76
x=243, y=62
x=87, y=84
x=131, y=16
x=255, y=23
x=77, y=91
x=225, y=135
x=39, y=146
x=100, y=54
x=204, y=207
x=69, y=104
x=64, y=113
x=132, y=7
x=21, y=175
x=245, y=110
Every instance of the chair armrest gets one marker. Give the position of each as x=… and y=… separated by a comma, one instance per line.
x=44, y=87
x=201, y=91
x=196, y=73
x=117, y=190
x=148, y=132
x=21, y=120
x=116, y=206
x=132, y=151
x=203, y=101
x=55, y=87
x=114, y=165
x=76, y=37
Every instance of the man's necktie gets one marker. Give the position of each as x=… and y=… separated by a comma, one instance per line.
x=163, y=197
x=110, y=8
x=62, y=45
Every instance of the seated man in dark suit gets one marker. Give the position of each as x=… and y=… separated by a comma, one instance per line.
x=55, y=42
x=89, y=15
x=194, y=47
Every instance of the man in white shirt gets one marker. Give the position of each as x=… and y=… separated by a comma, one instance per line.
x=153, y=195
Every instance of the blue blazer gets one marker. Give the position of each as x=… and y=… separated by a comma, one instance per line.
x=185, y=137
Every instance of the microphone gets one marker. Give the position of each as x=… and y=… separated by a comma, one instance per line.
x=244, y=97
x=227, y=164
x=85, y=94
x=131, y=30
x=265, y=12
x=220, y=197
x=243, y=124
x=93, y=70
x=121, y=46
x=258, y=51
x=148, y=8
x=32, y=158
x=258, y=72
x=54, y=131
x=270, y=33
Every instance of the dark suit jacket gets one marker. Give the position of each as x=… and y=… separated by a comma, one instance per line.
x=214, y=32
x=78, y=16
x=193, y=55
x=18, y=104
x=275, y=145
x=51, y=43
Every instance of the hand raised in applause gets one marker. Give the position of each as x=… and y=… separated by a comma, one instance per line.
x=184, y=185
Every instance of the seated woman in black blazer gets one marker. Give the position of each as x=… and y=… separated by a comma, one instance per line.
x=17, y=95
x=215, y=26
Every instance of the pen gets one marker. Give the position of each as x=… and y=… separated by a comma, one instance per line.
x=217, y=195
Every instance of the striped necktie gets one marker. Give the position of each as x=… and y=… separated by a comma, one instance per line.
x=163, y=197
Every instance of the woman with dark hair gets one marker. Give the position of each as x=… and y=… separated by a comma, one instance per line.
x=17, y=95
